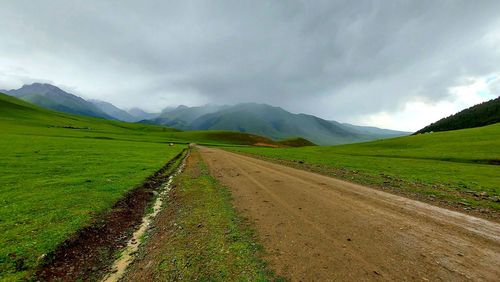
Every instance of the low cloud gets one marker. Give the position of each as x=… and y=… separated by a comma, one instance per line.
x=343, y=60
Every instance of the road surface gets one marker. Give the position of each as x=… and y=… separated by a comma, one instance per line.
x=317, y=228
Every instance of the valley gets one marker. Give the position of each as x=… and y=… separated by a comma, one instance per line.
x=259, y=119
x=68, y=179
x=265, y=141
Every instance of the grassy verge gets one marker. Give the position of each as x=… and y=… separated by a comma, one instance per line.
x=454, y=168
x=53, y=186
x=199, y=236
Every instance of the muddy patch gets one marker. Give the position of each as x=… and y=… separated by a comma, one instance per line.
x=89, y=253
x=126, y=257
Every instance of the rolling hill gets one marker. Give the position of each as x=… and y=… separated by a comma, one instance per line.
x=51, y=97
x=479, y=115
x=259, y=119
x=269, y=121
x=20, y=117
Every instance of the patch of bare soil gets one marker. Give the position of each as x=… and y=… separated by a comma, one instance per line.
x=144, y=267
x=88, y=255
x=260, y=144
x=318, y=228
x=397, y=186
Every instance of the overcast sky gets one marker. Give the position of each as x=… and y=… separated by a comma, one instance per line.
x=388, y=63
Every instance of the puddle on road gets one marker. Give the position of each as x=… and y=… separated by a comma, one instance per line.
x=127, y=256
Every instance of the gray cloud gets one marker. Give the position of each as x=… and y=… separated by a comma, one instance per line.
x=336, y=59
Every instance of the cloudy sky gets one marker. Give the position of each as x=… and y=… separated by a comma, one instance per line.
x=392, y=64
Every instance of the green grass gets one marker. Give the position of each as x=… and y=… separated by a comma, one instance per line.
x=59, y=171
x=53, y=186
x=207, y=240
x=448, y=165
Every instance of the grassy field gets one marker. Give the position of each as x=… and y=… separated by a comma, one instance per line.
x=54, y=179
x=456, y=166
x=59, y=171
x=202, y=238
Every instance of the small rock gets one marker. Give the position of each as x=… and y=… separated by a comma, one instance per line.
x=483, y=194
x=200, y=225
x=460, y=254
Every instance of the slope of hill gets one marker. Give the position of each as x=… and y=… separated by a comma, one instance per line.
x=18, y=116
x=482, y=114
x=387, y=133
x=139, y=114
x=273, y=122
x=52, y=97
x=189, y=114
x=182, y=116
x=113, y=111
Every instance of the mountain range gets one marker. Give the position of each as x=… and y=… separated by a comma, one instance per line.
x=260, y=119
x=266, y=120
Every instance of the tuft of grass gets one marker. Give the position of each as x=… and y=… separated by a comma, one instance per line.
x=459, y=167
x=206, y=239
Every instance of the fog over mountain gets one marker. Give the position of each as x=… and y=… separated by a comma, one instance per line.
x=398, y=65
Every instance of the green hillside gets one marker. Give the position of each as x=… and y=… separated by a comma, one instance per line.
x=276, y=123
x=479, y=115
x=52, y=97
x=60, y=170
x=458, y=166
x=272, y=122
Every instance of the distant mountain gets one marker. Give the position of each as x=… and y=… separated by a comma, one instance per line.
x=482, y=114
x=182, y=116
x=376, y=131
x=52, y=97
x=113, y=111
x=139, y=114
x=269, y=121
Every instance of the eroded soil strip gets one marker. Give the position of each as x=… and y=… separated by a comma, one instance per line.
x=317, y=228
x=126, y=257
x=89, y=254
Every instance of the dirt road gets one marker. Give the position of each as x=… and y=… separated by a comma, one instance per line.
x=316, y=228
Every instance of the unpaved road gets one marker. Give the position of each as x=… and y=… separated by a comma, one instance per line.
x=317, y=228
